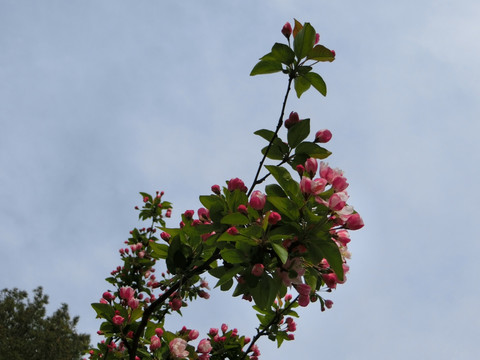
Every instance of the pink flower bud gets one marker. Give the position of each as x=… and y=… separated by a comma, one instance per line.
x=118, y=320
x=168, y=213
x=203, y=214
x=242, y=209
x=303, y=289
x=317, y=38
x=258, y=269
x=175, y=304
x=165, y=236
x=287, y=30
x=108, y=296
x=274, y=218
x=159, y=332
x=133, y=303
x=303, y=300
x=333, y=52
x=213, y=332
x=216, y=189
x=323, y=136
x=311, y=165
x=292, y=120
x=189, y=214
x=288, y=297
x=193, y=334
x=306, y=185
x=300, y=169
x=328, y=304
x=236, y=184
x=224, y=328
x=232, y=230
x=155, y=343
x=291, y=337
x=330, y=280
x=257, y=200
x=354, y=222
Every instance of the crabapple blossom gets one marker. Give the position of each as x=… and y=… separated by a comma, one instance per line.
x=224, y=328
x=216, y=189
x=292, y=120
x=257, y=269
x=236, y=184
x=354, y=222
x=178, y=348
x=257, y=200
x=155, y=343
x=311, y=165
x=126, y=292
x=287, y=30
x=204, y=346
x=118, y=320
x=323, y=136
x=328, y=304
x=273, y=218
x=193, y=334
x=232, y=230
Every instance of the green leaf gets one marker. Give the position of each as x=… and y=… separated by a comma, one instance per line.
x=228, y=275
x=160, y=251
x=235, y=219
x=105, y=311
x=266, y=134
x=285, y=206
x=304, y=41
x=284, y=179
x=274, y=190
x=233, y=256
x=317, y=82
x=282, y=53
x=281, y=252
x=266, y=67
x=321, y=53
x=312, y=150
x=298, y=132
x=328, y=249
x=301, y=84
x=278, y=150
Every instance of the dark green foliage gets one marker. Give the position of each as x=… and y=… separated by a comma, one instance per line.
x=26, y=332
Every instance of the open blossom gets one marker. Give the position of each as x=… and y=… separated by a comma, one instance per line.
x=257, y=200
x=126, y=292
x=178, y=348
x=337, y=201
x=204, y=346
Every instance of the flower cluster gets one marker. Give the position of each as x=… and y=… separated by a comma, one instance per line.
x=262, y=243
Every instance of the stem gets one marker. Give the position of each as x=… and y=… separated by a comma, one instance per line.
x=279, y=125
x=154, y=306
x=265, y=330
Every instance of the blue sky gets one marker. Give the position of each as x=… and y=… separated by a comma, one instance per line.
x=102, y=99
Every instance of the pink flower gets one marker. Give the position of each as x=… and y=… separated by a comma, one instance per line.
x=300, y=169
x=236, y=184
x=303, y=289
x=118, y=320
x=339, y=183
x=306, y=185
x=232, y=230
x=159, y=332
x=303, y=300
x=337, y=201
x=318, y=186
x=287, y=30
x=354, y=222
x=204, y=294
x=168, y=213
x=292, y=120
x=213, y=331
x=328, y=304
x=133, y=303
x=323, y=136
x=288, y=297
x=333, y=52
x=155, y=343
x=224, y=328
x=257, y=200
x=311, y=165
x=242, y=209
x=274, y=218
x=189, y=214
x=178, y=348
x=216, y=189
x=165, y=236
x=108, y=296
x=291, y=337
x=193, y=334
x=176, y=304
x=330, y=280
x=126, y=292
x=317, y=38
x=203, y=214
x=204, y=346
x=258, y=269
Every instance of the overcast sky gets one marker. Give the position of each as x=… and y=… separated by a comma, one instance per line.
x=102, y=99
